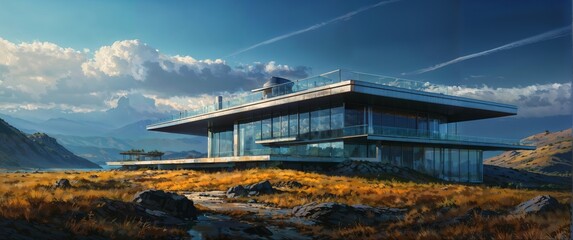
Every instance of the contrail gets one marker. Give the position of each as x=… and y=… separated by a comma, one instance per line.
x=560, y=32
x=313, y=27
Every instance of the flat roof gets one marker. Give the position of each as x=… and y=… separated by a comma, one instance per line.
x=455, y=108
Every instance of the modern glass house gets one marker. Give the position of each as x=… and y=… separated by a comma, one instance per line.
x=343, y=115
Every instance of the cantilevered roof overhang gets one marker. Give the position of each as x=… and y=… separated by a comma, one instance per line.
x=455, y=108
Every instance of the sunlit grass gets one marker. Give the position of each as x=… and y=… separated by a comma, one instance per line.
x=31, y=196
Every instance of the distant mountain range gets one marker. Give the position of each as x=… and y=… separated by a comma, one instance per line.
x=18, y=150
x=553, y=154
x=101, y=136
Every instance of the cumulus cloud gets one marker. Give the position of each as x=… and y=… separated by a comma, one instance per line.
x=537, y=100
x=46, y=75
x=41, y=75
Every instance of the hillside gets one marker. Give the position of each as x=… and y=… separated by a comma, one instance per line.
x=553, y=154
x=39, y=150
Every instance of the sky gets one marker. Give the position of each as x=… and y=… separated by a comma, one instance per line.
x=59, y=57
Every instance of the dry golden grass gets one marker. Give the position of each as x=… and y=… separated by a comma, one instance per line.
x=31, y=196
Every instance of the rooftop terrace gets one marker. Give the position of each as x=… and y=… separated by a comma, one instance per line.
x=309, y=83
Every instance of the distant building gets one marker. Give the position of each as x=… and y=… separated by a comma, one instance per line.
x=343, y=115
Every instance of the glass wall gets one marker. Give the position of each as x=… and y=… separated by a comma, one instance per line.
x=322, y=126
x=222, y=143
x=423, y=123
x=461, y=165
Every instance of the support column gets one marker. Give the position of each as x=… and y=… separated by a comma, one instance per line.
x=209, y=140
x=370, y=124
x=236, y=139
x=379, y=151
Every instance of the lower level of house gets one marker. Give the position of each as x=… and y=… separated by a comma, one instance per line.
x=451, y=164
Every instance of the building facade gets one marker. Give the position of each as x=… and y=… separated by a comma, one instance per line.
x=344, y=115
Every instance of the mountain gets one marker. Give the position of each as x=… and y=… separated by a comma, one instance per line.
x=137, y=130
x=79, y=128
x=553, y=154
x=39, y=150
x=105, y=149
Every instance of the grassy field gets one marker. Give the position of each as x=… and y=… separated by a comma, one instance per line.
x=30, y=196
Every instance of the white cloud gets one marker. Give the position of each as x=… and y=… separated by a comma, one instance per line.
x=537, y=100
x=35, y=68
x=43, y=75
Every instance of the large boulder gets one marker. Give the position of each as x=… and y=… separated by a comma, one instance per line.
x=236, y=191
x=171, y=203
x=117, y=210
x=263, y=187
x=63, y=184
x=331, y=214
x=538, y=204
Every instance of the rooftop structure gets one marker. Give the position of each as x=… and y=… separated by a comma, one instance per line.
x=343, y=115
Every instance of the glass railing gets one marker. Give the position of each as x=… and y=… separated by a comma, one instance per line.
x=306, y=84
x=400, y=132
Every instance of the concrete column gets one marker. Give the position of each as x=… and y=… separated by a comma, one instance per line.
x=209, y=140
x=379, y=151
x=370, y=124
x=236, y=139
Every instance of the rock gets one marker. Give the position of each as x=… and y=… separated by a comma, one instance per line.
x=258, y=230
x=236, y=191
x=252, y=201
x=289, y=184
x=331, y=214
x=120, y=211
x=63, y=183
x=171, y=203
x=538, y=204
x=263, y=187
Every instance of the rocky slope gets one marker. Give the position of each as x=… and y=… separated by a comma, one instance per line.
x=39, y=150
x=553, y=154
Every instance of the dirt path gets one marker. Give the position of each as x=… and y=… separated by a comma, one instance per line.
x=211, y=225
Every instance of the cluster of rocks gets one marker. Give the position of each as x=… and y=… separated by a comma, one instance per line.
x=288, y=184
x=331, y=214
x=364, y=168
x=154, y=206
x=538, y=205
x=368, y=168
x=263, y=187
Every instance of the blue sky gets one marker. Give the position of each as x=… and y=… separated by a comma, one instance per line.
x=391, y=39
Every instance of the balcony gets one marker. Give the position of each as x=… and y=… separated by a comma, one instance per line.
x=400, y=135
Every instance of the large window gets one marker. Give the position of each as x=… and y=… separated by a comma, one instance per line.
x=464, y=165
x=429, y=160
x=277, y=126
x=355, y=149
x=473, y=166
x=293, y=124
x=396, y=155
x=454, y=164
x=304, y=125
x=418, y=160
x=354, y=116
x=408, y=156
x=266, y=131
x=221, y=143
x=337, y=121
